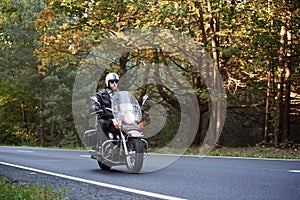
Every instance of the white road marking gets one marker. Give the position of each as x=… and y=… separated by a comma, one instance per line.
x=25, y=151
x=176, y=155
x=85, y=156
x=294, y=171
x=225, y=157
x=107, y=185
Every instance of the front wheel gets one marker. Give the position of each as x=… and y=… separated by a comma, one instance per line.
x=135, y=158
x=103, y=166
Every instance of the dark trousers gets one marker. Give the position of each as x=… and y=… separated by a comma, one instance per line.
x=107, y=127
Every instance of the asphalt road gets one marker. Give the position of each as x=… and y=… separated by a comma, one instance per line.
x=189, y=177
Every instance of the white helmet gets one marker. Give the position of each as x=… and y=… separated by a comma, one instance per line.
x=110, y=77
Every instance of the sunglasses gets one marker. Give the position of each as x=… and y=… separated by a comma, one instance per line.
x=113, y=81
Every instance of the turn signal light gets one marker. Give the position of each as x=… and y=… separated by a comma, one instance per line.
x=142, y=125
x=117, y=126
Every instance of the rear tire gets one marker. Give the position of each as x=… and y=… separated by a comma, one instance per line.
x=135, y=159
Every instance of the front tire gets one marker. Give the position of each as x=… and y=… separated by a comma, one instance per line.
x=103, y=166
x=135, y=158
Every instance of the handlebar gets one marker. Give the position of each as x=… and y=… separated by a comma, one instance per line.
x=100, y=111
x=144, y=111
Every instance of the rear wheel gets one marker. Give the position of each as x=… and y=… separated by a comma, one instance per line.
x=135, y=158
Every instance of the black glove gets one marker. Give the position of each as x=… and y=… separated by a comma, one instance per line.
x=94, y=108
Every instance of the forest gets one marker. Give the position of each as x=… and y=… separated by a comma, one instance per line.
x=253, y=44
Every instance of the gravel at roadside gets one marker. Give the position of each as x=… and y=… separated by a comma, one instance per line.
x=71, y=190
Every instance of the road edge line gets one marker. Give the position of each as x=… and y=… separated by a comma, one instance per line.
x=106, y=185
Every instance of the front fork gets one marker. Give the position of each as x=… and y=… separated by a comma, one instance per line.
x=124, y=143
x=124, y=140
x=146, y=147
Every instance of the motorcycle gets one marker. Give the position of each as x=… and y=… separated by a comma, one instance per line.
x=126, y=145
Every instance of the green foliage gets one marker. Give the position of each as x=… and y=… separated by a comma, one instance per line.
x=15, y=126
x=17, y=191
x=169, y=130
x=18, y=71
x=50, y=39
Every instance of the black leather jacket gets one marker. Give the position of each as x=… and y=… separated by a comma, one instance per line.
x=105, y=101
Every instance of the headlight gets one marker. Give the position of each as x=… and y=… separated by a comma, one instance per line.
x=129, y=118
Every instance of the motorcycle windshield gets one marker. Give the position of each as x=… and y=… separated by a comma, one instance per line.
x=126, y=109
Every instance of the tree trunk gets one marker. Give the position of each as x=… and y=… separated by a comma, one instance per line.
x=287, y=82
x=41, y=111
x=214, y=30
x=201, y=22
x=270, y=85
x=287, y=101
x=196, y=80
x=53, y=127
x=280, y=85
x=266, y=124
x=22, y=104
x=123, y=59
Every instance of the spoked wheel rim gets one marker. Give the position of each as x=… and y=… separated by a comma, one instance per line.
x=135, y=158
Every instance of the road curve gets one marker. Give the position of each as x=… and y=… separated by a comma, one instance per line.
x=190, y=177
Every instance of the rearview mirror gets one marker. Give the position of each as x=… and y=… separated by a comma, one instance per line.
x=145, y=98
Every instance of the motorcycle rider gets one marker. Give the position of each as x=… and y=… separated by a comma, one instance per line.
x=105, y=97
